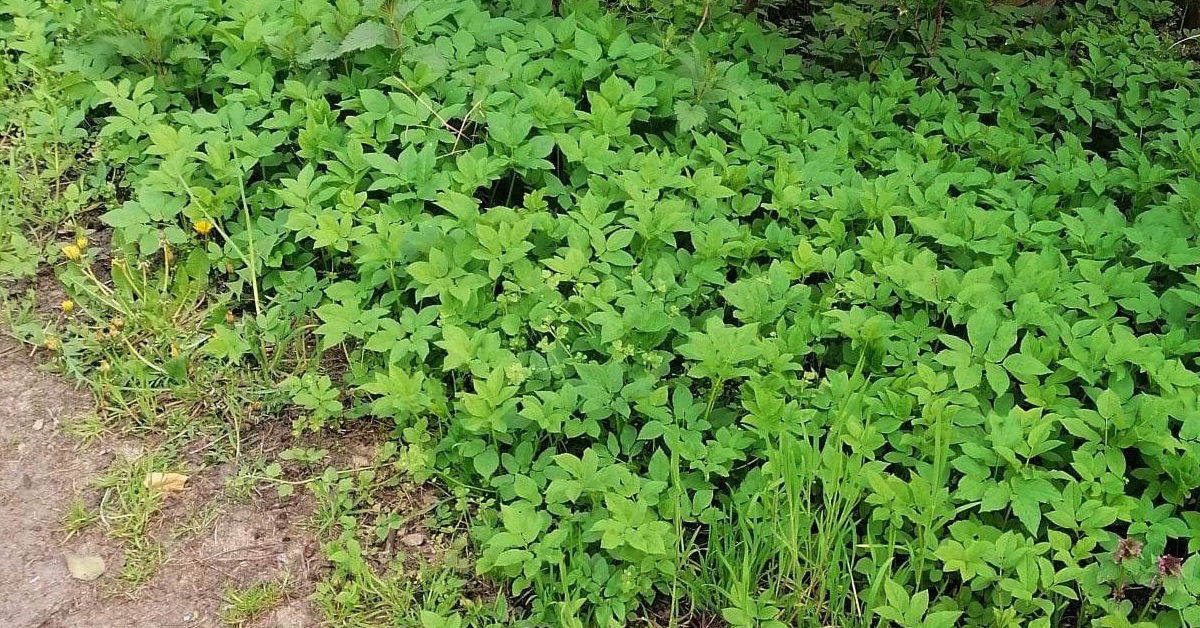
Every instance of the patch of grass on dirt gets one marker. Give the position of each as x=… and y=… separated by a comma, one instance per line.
x=79, y=517
x=242, y=605
x=128, y=512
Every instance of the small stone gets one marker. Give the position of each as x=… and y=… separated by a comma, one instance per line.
x=415, y=539
x=39, y=424
x=85, y=567
x=129, y=452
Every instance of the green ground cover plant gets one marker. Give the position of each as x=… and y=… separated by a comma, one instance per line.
x=890, y=322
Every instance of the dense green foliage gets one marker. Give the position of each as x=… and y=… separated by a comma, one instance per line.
x=885, y=325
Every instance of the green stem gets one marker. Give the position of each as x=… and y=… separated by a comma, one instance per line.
x=1150, y=602
x=216, y=225
x=252, y=263
x=712, y=396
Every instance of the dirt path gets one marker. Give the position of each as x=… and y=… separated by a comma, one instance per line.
x=42, y=470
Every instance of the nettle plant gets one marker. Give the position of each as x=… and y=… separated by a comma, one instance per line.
x=934, y=309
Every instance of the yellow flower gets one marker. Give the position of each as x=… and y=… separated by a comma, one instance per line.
x=68, y=305
x=52, y=343
x=72, y=252
x=81, y=242
x=202, y=227
x=104, y=366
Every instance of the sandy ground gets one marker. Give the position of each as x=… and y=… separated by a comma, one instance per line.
x=42, y=469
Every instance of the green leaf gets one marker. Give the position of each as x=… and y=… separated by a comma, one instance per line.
x=981, y=327
x=486, y=462
x=642, y=50
x=457, y=345
x=375, y=101
x=997, y=378
x=1028, y=511
x=690, y=116
x=365, y=35
x=587, y=48
x=1024, y=366
x=513, y=556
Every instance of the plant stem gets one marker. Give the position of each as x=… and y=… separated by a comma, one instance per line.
x=1150, y=602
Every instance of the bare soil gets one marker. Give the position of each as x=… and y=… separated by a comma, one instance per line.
x=42, y=470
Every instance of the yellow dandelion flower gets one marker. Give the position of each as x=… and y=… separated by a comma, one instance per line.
x=72, y=252
x=68, y=306
x=52, y=343
x=81, y=242
x=203, y=227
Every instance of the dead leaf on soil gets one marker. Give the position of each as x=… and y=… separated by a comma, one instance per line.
x=85, y=567
x=165, y=482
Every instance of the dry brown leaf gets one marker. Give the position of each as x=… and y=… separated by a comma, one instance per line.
x=165, y=482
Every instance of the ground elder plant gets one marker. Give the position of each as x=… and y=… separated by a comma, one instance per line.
x=715, y=323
